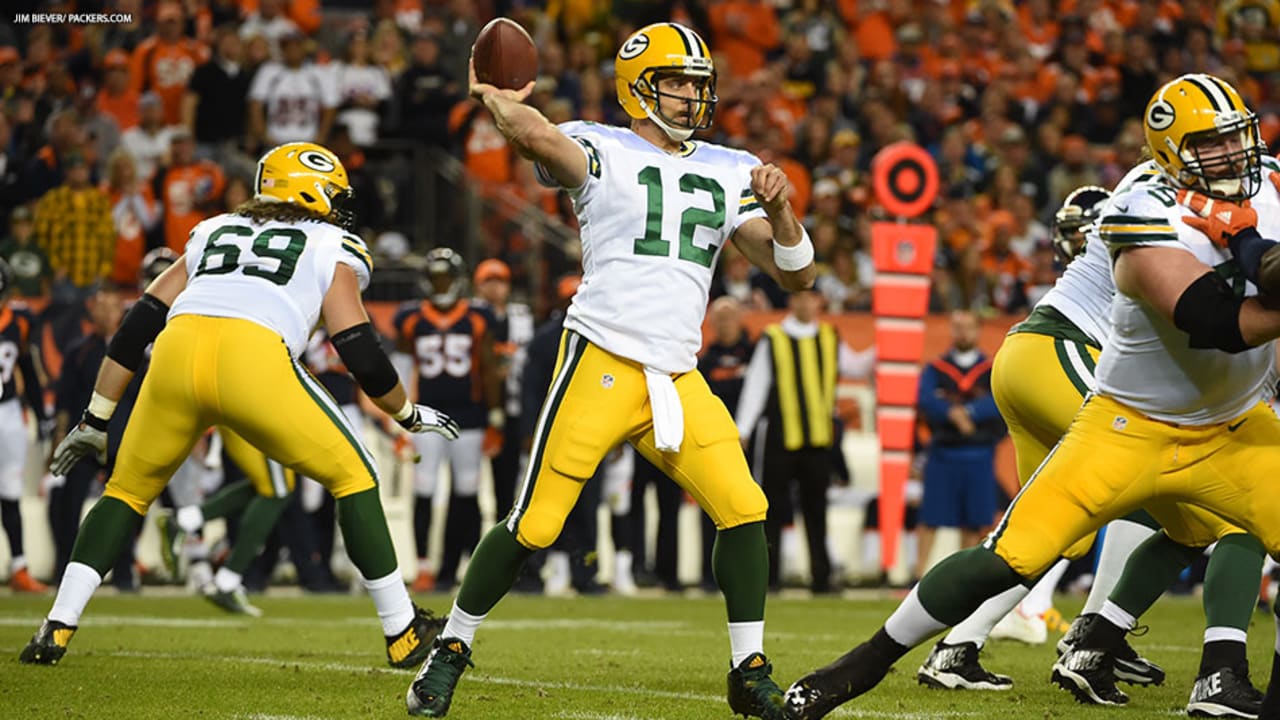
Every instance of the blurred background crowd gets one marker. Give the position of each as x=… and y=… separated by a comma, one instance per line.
x=115, y=139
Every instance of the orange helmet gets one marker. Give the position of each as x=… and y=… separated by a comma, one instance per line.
x=492, y=269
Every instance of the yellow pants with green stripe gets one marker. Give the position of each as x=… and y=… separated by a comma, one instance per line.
x=598, y=400
x=236, y=374
x=268, y=477
x=1199, y=482
x=1038, y=383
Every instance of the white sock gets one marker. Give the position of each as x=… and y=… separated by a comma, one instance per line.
x=391, y=600
x=1040, y=598
x=1230, y=634
x=745, y=638
x=462, y=625
x=17, y=563
x=1118, y=615
x=190, y=519
x=911, y=624
x=78, y=583
x=622, y=565
x=227, y=580
x=871, y=551
x=1122, y=537
x=424, y=565
x=977, y=626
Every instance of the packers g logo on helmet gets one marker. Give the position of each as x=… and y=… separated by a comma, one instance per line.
x=662, y=50
x=1204, y=137
x=309, y=175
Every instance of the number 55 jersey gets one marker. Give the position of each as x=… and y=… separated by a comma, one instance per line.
x=273, y=273
x=652, y=224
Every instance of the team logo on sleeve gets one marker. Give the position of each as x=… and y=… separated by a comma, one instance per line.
x=1160, y=115
x=634, y=46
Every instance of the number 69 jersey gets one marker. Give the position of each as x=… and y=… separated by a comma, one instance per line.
x=652, y=226
x=275, y=274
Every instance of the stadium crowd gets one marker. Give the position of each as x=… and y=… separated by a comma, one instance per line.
x=116, y=140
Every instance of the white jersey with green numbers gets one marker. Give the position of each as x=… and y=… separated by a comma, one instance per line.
x=275, y=274
x=1148, y=363
x=652, y=224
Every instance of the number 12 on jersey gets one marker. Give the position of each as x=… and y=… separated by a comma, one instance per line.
x=653, y=244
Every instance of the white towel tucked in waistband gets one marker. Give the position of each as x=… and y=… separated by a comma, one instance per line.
x=668, y=415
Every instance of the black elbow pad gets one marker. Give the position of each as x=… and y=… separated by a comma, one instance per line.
x=140, y=327
x=361, y=352
x=1209, y=312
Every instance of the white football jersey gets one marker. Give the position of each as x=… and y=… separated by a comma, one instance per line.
x=652, y=226
x=275, y=274
x=1083, y=293
x=1148, y=363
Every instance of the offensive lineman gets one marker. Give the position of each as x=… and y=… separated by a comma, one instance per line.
x=228, y=321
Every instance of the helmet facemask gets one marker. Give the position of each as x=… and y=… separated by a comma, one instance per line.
x=1077, y=216
x=342, y=211
x=1233, y=175
x=702, y=106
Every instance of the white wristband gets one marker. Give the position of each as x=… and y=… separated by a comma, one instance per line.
x=100, y=406
x=791, y=258
x=405, y=412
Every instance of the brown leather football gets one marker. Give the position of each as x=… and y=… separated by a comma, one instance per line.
x=505, y=55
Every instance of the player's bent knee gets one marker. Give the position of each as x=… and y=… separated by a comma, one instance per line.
x=539, y=529
x=745, y=504
x=350, y=485
x=137, y=502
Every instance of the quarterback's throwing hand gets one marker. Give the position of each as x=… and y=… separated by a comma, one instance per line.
x=479, y=90
x=425, y=419
x=1220, y=220
x=83, y=439
x=770, y=186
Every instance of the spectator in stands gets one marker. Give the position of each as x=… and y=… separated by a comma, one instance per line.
x=216, y=103
x=964, y=426
x=739, y=279
x=31, y=270
x=425, y=92
x=364, y=91
x=134, y=213
x=101, y=133
x=1005, y=273
x=163, y=63
x=117, y=97
x=73, y=225
x=483, y=150
x=45, y=170
x=841, y=282
x=148, y=141
x=189, y=189
x=293, y=100
x=1073, y=171
x=744, y=31
x=11, y=190
x=271, y=22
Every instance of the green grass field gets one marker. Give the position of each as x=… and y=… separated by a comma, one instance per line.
x=581, y=659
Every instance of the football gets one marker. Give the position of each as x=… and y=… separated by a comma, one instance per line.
x=504, y=55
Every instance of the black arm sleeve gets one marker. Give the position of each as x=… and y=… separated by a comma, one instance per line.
x=140, y=327
x=31, y=389
x=361, y=351
x=1209, y=312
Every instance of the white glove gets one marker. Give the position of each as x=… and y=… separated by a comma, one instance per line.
x=426, y=419
x=89, y=435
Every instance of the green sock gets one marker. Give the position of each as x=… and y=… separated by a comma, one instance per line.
x=493, y=569
x=256, y=524
x=1231, y=581
x=103, y=534
x=740, y=563
x=365, y=533
x=1151, y=569
x=957, y=585
x=228, y=501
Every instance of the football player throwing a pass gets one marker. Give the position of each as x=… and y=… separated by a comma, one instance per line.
x=655, y=209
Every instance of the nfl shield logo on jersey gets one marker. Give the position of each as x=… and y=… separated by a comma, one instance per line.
x=1119, y=424
x=606, y=381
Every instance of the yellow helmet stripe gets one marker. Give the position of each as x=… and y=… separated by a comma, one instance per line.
x=1216, y=97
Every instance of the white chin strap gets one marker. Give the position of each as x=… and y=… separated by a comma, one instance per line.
x=675, y=133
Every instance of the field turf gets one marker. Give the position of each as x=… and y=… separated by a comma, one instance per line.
x=169, y=656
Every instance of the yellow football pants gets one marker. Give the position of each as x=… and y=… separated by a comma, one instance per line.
x=1038, y=383
x=237, y=374
x=598, y=400
x=268, y=477
x=1197, y=481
